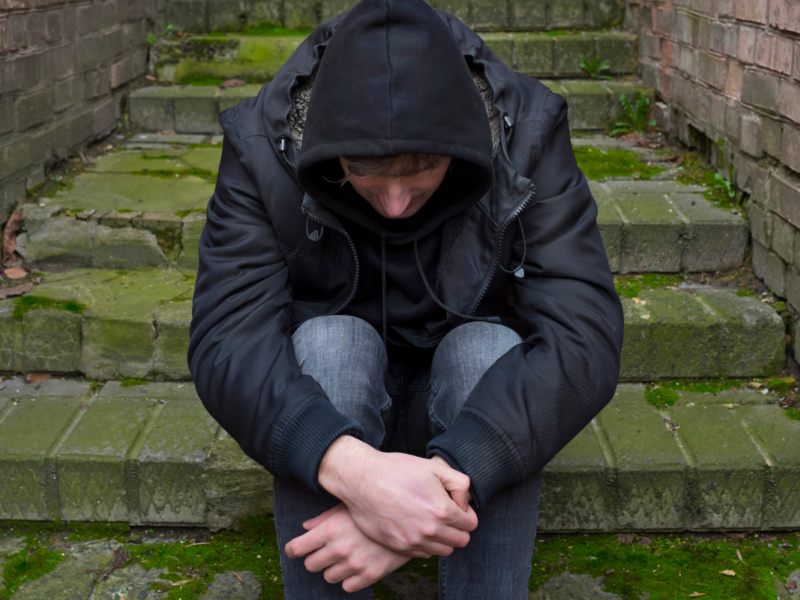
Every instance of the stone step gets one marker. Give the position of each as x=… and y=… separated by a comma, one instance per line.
x=111, y=324
x=593, y=104
x=145, y=208
x=202, y=16
x=151, y=454
x=209, y=60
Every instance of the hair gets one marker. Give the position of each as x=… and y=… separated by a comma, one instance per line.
x=392, y=165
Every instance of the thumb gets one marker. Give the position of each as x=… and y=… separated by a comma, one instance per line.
x=456, y=484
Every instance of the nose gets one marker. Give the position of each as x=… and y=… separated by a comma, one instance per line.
x=395, y=198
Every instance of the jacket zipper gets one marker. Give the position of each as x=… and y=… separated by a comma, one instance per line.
x=520, y=207
x=355, y=260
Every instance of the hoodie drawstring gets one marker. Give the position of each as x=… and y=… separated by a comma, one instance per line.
x=441, y=304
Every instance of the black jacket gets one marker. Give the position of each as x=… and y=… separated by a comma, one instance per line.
x=274, y=253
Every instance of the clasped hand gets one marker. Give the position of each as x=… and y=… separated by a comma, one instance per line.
x=394, y=507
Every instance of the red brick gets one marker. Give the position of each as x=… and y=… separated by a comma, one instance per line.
x=774, y=52
x=666, y=82
x=667, y=52
x=733, y=121
x=703, y=6
x=784, y=197
x=718, y=113
x=752, y=10
x=790, y=148
x=687, y=29
x=3, y=35
x=785, y=14
x=724, y=39
x=748, y=141
x=789, y=100
x=703, y=34
x=713, y=70
x=17, y=36
x=725, y=8
x=733, y=87
x=797, y=61
x=651, y=45
x=748, y=37
x=664, y=21
x=687, y=61
x=121, y=72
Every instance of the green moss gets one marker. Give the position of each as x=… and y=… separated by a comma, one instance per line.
x=29, y=303
x=792, y=413
x=169, y=174
x=743, y=293
x=186, y=213
x=781, y=386
x=155, y=157
x=26, y=565
x=558, y=32
x=705, y=386
x=599, y=164
x=132, y=382
x=200, y=79
x=660, y=397
x=631, y=286
x=695, y=170
x=124, y=210
x=271, y=29
x=670, y=566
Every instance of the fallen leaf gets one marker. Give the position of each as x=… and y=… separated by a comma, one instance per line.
x=16, y=290
x=625, y=538
x=37, y=377
x=755, y=385
x=728, y=573
x=791, y=586
x=645, y=316
x=729, y=406
x=166, y=132
x=239, y=577
x=9, y=244
x=645, y=541
x=182, y=582
x=636, y=300
x=696, y=595
x=739, y=554
x=609, y=572
x=16, y=273
x=150, y=78
x=790, y=381
x=671, y=426
x=786, y=402
x=229, y=83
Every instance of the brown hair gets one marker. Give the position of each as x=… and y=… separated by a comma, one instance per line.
x=392, y=165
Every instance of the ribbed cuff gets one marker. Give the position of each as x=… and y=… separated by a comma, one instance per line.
x=308, y=437
x=473, y=448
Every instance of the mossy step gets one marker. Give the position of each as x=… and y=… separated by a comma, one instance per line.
x=209, y=60
x=150, y=454
x=593, y=105
x=202, y=16
x=146, y=208
x=108, y=324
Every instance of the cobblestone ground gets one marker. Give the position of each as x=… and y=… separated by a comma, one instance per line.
x=116, y=562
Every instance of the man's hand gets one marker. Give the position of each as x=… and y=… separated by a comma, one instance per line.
x=413, y=506
x=336, y=544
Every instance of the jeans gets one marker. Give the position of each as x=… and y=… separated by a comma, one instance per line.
x=348, y=359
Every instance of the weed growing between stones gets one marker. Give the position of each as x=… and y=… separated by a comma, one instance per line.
x=185, y=213
x=127, y=382
x=695, y=170
x=665, y=393
x=672, y=566
x=28, y=303
x=600, y=164
x=631, y=286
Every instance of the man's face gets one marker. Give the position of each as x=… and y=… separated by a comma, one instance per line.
x=398, y=197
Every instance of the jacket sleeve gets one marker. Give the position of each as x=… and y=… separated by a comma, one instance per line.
x=240, y=352
x=543, y=392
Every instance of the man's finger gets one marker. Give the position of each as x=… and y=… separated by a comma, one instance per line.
x=319, y=519
x=302, y=545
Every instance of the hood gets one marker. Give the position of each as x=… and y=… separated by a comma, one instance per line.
x=394, y=80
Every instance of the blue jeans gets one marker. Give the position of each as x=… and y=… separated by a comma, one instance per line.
x=348, y=359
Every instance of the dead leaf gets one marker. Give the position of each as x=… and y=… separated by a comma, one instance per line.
x=166, y=132
x=16, y=290
x=9, y=245
x=645, y=316
x=15, y=273
x=120, y=559
x=739, y=554
x=625, y=538
x=671, y=426
x=229, y=83
x=609, y=572
x=791, y=586
x=728, y=573
x=790, y=381
x=755, y=385
x=239, y=577
x=696, y=595
x=182, y=582
x=729, y=406
x=645, y=541
x=37, y=377
x=150, y=78
x=787, y=402
x=636, y=300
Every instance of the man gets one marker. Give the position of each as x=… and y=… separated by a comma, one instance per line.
x=403, y=308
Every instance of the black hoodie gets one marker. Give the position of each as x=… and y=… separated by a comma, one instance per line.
x=275, y=251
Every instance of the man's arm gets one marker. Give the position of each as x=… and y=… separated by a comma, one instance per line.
x=541, y=393
x=240, y=353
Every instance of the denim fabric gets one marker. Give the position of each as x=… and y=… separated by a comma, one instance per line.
x=348, y=359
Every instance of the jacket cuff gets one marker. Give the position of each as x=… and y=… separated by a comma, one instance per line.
x=474, y=448
x=307, y=438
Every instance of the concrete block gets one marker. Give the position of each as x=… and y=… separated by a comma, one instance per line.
x=790, y=148
x=533, y=53
x=565, y=14
x=783, y=239
x=30, y=431
x=188, y=15
x=752, y=10
x=502, y=44
x=333, y=8
x=196, y=110
x=264, y=11
x=232, y=96
x=785, y=15
x=789, y=100
x=172, y=335
x=528, y=14
x=152, y=109
x=621, y=51
x=650, y=470
x=193, y=225
x=567, y=52
x=751, y=177
x=652, y=240
x=610, y=224
x=769, y=267
x=12, y=351
x=774, y=52
x=52, y=340
x=761, y=90
x=760, y=224
x=713, y=70
x=784, y=197
x=227, y=15
x=488, y=15
x=170, y=465
x=589, y=105
x=574, y=488
x=604, y=13
x=751, y=124
x=748, y=41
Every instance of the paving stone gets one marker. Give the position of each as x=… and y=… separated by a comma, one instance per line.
x=172, y=339
x=567, y=52
x=196, y=110
x=652, y=241
x=730, y=472
x=611, y=224
x=193, y=225
x=92, y=475
x=152, y=390
x=131, y=582
x=227, y=586
x=52, y=388
x=29, y=431
x=52, y=340
x=716, y=240
x=170, y=465
x=168, y=138
x=235, y=485
x=776, y=436
x=72, y=579
x=12, y=351
x=650, y=470
x=573, y=487
x=204, y=158
x=153, y=108
x=589, y=104
x=572, y=586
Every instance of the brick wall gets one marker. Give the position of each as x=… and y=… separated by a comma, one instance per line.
x=64, y=67
x=730, y=69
